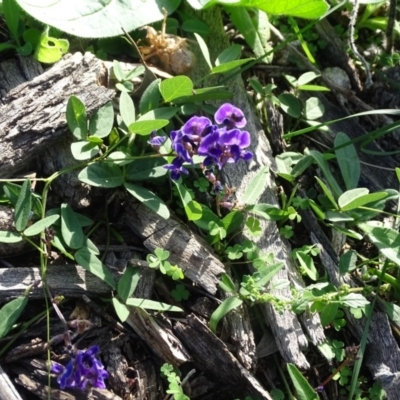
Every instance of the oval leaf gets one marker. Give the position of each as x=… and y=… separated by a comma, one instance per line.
x=102, y=121
x=178, y=86
x=303, y=388
x=71, y=230
x=256, y=187
x=10, y=237
x=105, y=175
x=10, y=312
x=121, y=309
x=128, y=282
x=23, y=207
x=41, y=225
x=229, y=66
x=152, y=305
x=146, y=127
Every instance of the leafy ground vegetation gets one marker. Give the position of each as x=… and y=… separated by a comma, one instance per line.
x=208, y=262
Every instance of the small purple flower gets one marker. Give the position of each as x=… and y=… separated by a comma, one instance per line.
x=83, y=368
x=196, y=126
x=156, y=141
x=230, y=116
x=176, y=168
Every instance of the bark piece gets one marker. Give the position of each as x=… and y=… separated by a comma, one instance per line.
x=187, y=250
x=32, y=116
x=211, y=356
x=7, y=389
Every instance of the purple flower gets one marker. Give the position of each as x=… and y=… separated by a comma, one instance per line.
x=156, y=140
x=83, y=368
x=176, y=168
x=196, y=126
x=234, y=142
x=230, y=116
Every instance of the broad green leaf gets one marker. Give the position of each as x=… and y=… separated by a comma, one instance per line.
x=175, y=87
x=160, y=113
x=23, y=207
x=41, y=225
x=206, y=217
x=224, y=308
x=327, y=192
x=393, y=311
x=192, y=208
x=150, y=98
x=231, y=53
x=385, y=239
x=229, y=66
x=127, y=109
x=84, y=150
x=152, y=305
x=360, y=200
x=139, y=170
x=118, y=71
x=50, y=49
x=307, y=264
x=290, y=105
x=268, y=211
x=256, y=187
x=148, y=198
x=313, y=108
x=204, y=49
x=146, y=127
x=350, y=196
x=128, y=282
x=195, y=25
x=10, y=237
x=307, y=77
x=348, y=161
x=90, y=262
x=304, y=390
x=70, y=228
x=347, y=262
x=266, y=273
x=195, y=98
x=12, y=13
x=97, y=19
x=101, y=123
x=328, y=313
x=76, y=118
x=152, y=173
x=121, y=309
x=354, y=300
x=327, y=172
x=105, y=175
x=335, y=216
x=226, y=283
x=10, y=313
x=233, y=221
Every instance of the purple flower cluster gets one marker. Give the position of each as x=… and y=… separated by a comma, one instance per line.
x=83, y=368
x=220, y=143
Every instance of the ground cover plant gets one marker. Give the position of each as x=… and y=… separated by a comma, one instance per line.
x=208, y=225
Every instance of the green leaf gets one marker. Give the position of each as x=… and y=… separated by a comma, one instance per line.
x=118, y=71
x=206, y=217
x=304, y=390
x=266, y=273
x=354, y=300
x=355, y=198
x=255, y=30
x=10, y=237
x=385, y=239
x=319, y=159
x=84, y=150
x=313, y=108
x=97, y=19
x=90, y=262
x=10, y=313
x=308, y=264
x=327, y=192
x=149, y=199
x=348, y=161
x=6, y=46
x=393, y=311
x=224, y=308
x=102, y=121
x=233, y=221
x=290, y=105
x=268, y=211
x=204, y=49
x=226, y=283
x=146, y=127
x=347, y=262
x=128, y=282
x=192, y=208
x=179, y=86
x=12, y=13
x=105, y=175
x=328, y=313
x=23, y=207
x=229, y=66
x=195, y=25
x=307, y=77
x=49, y=49
x=76, y=118
x=41, y=225
x=121, y=309
x=70, y=228
x=160, y=113
x=127, y=109
x=152, y=305
x=150, y=98
x=256, y=187
x=231, y=53
x=139, y=170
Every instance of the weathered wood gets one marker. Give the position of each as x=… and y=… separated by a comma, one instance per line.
x=187, y=250
x=285, y=326
x=382, y=349
x=211, y=356
x=7, y=389
x=32, y=114
x=67, y=280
